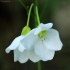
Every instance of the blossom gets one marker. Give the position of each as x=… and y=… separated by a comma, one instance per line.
x=39, y=44
x=43, y=40
x=21, y=54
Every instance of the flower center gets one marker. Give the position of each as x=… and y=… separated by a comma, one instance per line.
x=42, y=34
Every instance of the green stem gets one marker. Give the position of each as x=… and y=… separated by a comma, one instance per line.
x=39, y=65
x=29, y=14
x=23, y=4
x=36, y=1
x=37, y=15
x=35, y=19
x=44, y=8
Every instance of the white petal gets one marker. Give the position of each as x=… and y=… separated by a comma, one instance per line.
x=29, y=40
x=48, y=26
x=53, y=41
x=14, y=44
x=21, y=48
x=43, y=27
x=38, y=30
x=7, y=50
x=44, y=53
x=16, y=55
x=33, y=57
x=23, y=57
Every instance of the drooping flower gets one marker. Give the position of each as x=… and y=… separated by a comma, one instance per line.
x=21, y=54
x=39, y=44
x=17, y=47
x=44, y=41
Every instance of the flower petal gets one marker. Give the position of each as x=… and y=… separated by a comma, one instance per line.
x=33, y=57
x=23, y=57
x=43, y=27
x=48, y=26
x=29, y=40
x=16, y=55
x=38, y=30
x=14, y=44
x=52, y=40
x=44, y=53
x=21, y=48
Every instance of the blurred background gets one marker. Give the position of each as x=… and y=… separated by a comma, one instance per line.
x=13, y=17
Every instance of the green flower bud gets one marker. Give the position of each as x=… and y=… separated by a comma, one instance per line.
x=25, y=30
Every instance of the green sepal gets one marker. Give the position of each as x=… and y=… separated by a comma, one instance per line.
x=25, y=30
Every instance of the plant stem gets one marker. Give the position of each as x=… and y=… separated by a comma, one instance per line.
x=23, y=4
x=36, y=1
x=37, y=15
x=44, y=8
x=29, y=14
x=39, y=65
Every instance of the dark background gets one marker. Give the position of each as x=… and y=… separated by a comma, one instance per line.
x=13, y=17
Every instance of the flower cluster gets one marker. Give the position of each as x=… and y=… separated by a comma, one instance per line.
x=38, y=44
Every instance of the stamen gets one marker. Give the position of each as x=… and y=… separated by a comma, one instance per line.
x=42, y=34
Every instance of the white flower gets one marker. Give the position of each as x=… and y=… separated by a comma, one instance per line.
x=39, y=44
x=44, y=41
x=21, y=54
